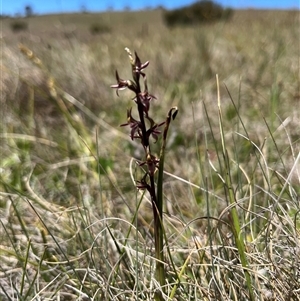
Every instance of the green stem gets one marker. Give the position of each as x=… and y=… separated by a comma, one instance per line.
x=236, y=229
x=158, y=211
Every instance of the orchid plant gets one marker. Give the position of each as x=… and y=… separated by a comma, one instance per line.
x=147, y=131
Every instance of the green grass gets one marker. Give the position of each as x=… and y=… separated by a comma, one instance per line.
x=73, y=224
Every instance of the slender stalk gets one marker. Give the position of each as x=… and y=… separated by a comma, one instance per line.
x=159, y=204
x=142, y=132
x=235, y=226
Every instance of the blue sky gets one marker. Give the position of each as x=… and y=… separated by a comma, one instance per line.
x=12, y=7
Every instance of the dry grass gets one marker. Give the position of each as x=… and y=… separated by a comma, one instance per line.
x=67, y=200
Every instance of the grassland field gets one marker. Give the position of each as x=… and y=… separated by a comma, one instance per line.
x=66, y=169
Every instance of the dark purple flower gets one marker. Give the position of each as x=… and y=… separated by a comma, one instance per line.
x=152, y=163
x=123, y=84
x=144, y=98
x=134, y=125
x=153, y=129
x=142, y=184
x=137, y=68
